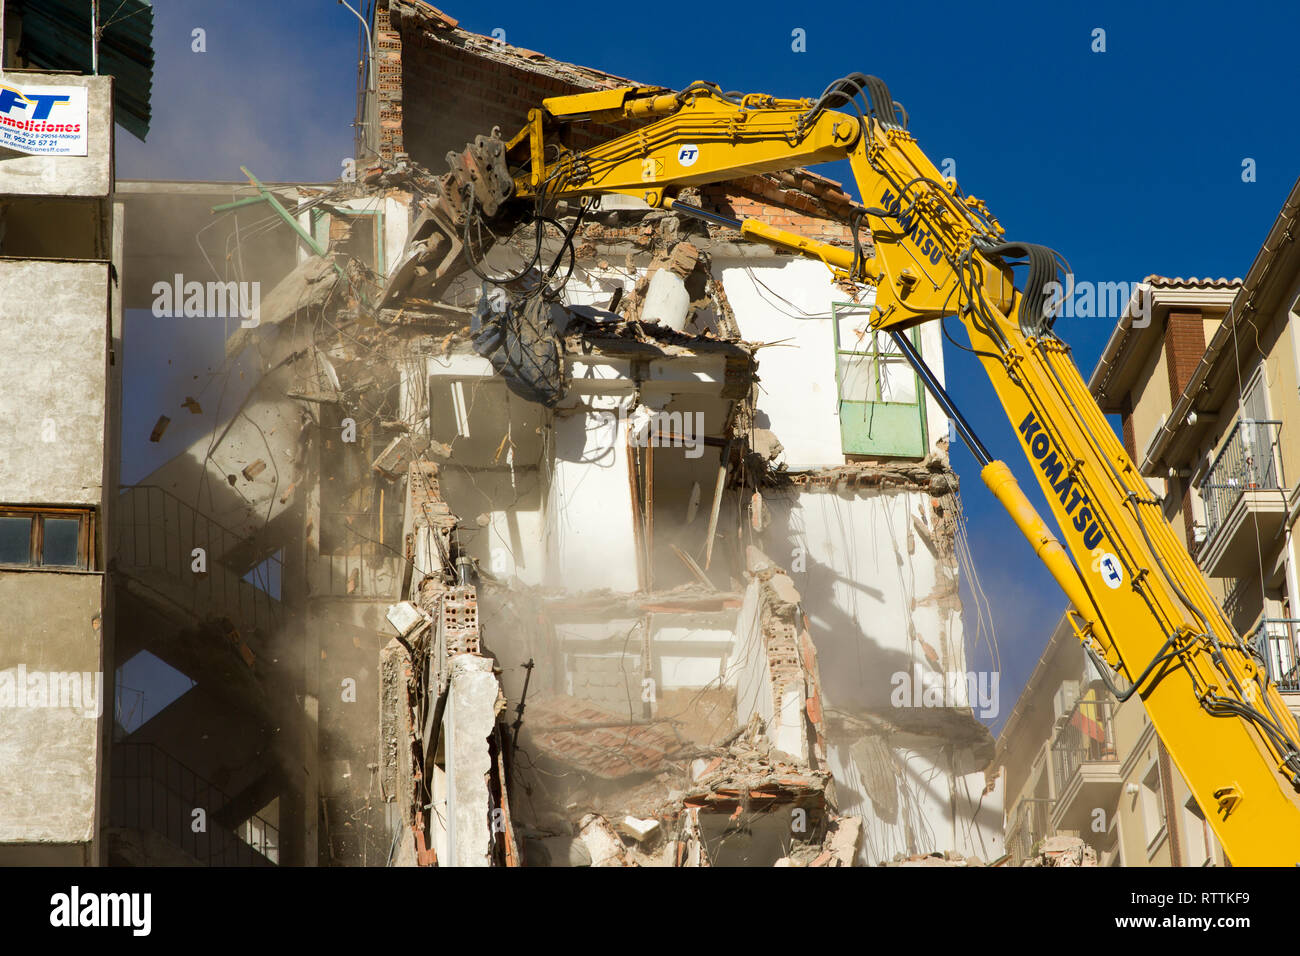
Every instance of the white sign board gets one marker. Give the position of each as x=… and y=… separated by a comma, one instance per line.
x=43, y=120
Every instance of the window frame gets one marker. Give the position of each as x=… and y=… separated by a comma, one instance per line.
x=36, y=539
x=319, y=229
x=1155, y=822
x=1197, y=828
x=891, y=408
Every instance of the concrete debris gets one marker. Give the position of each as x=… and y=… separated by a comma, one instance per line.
x=752, y=773
x=597, y=741
x=668, y=710
x=765, y=443
x=394, y=461
x=305, y=290
x=839, y=848
x=640, y=830
x=405, y=618
x=602, y=843
x=944, y=858
x=557, y=851
x=932, y=474
x=1063, y=851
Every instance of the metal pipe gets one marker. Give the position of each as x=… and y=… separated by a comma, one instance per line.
x=707, y=215
x=370, y=48
x=370, y=75
x=936, y=389
x=94, y=37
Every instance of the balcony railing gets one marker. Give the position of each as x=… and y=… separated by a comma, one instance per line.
x=358, y=558
x=1087, y=737
x=155, y=537
x=1248, y=461
x=1275, y=641
x=152, y=790
x=1031, y=823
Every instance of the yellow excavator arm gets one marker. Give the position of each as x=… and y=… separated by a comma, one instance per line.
x=1140, y=604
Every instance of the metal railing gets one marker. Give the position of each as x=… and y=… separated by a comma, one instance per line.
x=1031, y=823
x=1274, y=640
x=1088, y=736
x=152, y=790
x=1248, y=461
x=360, y=561
x=155, y=533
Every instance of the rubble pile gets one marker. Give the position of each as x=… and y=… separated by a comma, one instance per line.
x=1063, y=851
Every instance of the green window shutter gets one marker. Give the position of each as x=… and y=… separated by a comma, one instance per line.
x=881, y=398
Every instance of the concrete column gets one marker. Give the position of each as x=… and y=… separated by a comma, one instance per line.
x=467, y=725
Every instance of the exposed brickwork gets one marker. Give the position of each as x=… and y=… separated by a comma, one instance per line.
x=790, y=209
x=455, y=85
x=388, y=83
x=597, y=741
x=1184, y=346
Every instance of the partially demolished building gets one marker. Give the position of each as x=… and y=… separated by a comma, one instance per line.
x=662, y=569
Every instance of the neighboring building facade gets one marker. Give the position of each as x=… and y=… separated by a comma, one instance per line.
x=60, y=349
x=1205, y=376
x=1077, y=762
x=1205, y=399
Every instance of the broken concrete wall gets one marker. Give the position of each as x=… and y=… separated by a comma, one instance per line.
x=872, y=556
x=470, y=718
x=590, y=535
x=777, y=677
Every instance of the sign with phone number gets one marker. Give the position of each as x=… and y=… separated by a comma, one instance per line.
x=43, y=120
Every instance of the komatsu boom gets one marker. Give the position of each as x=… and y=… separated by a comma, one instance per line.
x=1139, y=603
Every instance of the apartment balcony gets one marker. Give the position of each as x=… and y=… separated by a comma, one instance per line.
x=54, y=167
x=1085, y=764
x=1029, y=825
x=1274, y=641
x=1245, y=500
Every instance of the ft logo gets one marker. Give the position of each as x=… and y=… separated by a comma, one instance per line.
x=687, y=154
x=1108, y=566
x=40, y=103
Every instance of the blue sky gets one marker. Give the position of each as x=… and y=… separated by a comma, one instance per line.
x=1128, y=161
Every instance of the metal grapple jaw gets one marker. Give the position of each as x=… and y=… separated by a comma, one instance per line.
x=478, y=184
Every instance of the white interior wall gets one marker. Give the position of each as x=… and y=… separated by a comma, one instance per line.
x=753, y=678
x=918, y=815
x=789, y=301
x=691, y=654
x=589, y=536
x=868, y=581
